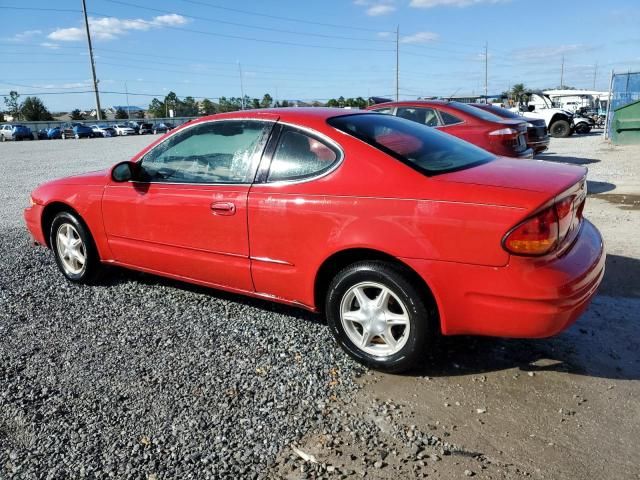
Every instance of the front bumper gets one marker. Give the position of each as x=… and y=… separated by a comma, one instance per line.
x=528, y=298
x=539, y=146
x=33, y=220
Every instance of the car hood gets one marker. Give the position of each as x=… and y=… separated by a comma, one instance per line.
x=528, y=175
x=99, y=177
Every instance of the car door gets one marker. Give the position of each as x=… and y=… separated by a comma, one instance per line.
x=284, y=211
x=185, y=214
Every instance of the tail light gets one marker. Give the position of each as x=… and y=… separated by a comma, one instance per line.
x=504, y=132
x=543, y=232
x=535, y=236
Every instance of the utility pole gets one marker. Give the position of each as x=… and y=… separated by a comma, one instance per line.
x=595, y=73
x=126, y=92
x=562, y=73
x=241, y=86
x=398, y=63
x=486, y=72
x=93, y=63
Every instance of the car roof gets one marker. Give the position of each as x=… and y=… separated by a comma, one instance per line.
x=409, y=103
x=287, y=114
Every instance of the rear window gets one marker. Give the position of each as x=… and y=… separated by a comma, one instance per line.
x=476, y=112
x=422, y=148
x=503, y=112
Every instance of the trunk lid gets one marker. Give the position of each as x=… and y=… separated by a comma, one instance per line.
x=529, y=175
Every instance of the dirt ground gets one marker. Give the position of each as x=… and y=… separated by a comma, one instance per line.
x=561, y=408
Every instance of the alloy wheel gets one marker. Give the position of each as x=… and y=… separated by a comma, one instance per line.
x=71, y=249
x=375, y=319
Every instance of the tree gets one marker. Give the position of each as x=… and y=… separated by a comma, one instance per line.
x=519, y=93
x=333, y=103
x=13, y=104
x=121, y=114
x=156, y=108
x=187, y=107
x=267, y=101
x=207, y=107
x=77, y=115
x=33, y=110
x=255, y=103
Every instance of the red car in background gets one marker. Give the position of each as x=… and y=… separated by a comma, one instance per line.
x=503, y=137
x=395, y=231
x=537, y=135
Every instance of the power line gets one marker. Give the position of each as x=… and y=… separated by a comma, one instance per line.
x=276, y=17
x=245, y=25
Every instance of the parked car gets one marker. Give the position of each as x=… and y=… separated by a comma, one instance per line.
x=396, y=231
x=103, y=130
x=75, y=130
x=49, y=133
x=484, y=129
x=145, y=128
x=12, y=131
x=133, y=125
x=122, y=129
x=163, y=127
x=537, y=136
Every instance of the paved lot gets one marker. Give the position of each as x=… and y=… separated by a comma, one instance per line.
x=146, y=378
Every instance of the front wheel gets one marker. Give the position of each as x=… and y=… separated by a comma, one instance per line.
x=560, y=128
x=379, y=317
x=74, y=249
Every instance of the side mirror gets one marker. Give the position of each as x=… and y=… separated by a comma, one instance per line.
x=122, y=172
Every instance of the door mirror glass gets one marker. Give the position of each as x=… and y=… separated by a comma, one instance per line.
x=122, y=172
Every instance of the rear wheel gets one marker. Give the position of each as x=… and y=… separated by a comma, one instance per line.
x=560, y=128
x=74, y=249
x=379, y=317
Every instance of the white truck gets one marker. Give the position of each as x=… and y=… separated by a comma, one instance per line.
x=559, y=122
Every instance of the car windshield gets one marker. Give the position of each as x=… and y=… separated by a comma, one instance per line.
x=422, y=148
x=476, y=112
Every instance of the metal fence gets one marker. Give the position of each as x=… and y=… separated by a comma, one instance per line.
x=36, y=126
x=624, y=89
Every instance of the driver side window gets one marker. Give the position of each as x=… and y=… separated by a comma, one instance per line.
x=212, y=152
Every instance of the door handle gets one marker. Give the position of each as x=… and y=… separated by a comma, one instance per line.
x=223, y=208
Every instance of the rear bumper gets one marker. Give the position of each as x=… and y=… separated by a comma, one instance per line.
x=529, y=298
x=539, y=146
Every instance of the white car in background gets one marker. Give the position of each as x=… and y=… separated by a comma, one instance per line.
x=123, y=130
x=103, y=130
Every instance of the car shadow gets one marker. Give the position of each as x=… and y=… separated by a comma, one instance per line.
x=552, y=157
x=604, y=342
x=595, y=187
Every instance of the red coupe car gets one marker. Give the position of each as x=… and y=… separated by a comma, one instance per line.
x=396, y=231
x=537, y=135
x=501, y=136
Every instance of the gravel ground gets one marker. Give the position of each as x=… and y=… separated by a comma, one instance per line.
x=142, y=377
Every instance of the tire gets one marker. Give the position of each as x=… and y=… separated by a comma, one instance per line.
x=79, y=263
x=560, y=129
x=2, y=138
x=388, y=347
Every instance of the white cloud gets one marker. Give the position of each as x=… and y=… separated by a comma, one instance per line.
x=376, y=8
x=420, y=37
x=541, y=53
x=450, y=3
x=50, y=45
x=384, y=34
x=382, y=9
x=110, y=28
x=24, y=36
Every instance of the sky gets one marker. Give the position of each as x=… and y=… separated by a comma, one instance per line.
x=309, y=50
